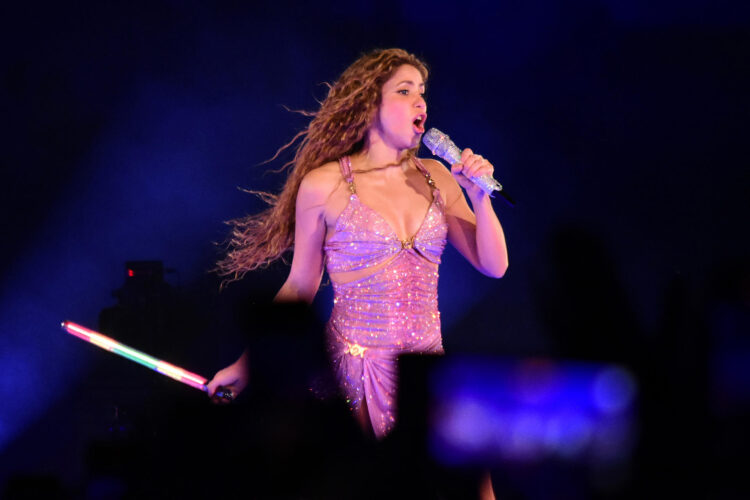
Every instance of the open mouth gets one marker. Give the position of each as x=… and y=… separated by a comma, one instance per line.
x=419, y=123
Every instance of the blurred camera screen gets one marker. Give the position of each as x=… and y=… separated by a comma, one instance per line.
x=492, y=410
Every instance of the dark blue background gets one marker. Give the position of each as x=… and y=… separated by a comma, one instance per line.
x=619, y=128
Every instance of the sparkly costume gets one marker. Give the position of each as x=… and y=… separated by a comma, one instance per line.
x=389, y=312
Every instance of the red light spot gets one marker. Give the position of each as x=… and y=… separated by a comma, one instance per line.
x=131, y=273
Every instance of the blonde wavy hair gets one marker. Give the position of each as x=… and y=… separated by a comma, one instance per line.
x=337, y=129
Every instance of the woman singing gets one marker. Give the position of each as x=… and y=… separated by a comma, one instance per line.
x=360, y=204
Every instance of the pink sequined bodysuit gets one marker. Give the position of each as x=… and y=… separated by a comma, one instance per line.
x=389, y=312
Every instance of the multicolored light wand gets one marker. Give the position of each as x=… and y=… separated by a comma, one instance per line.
x=186, y=377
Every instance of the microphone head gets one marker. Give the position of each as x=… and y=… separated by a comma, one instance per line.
x=441, y=145
x=432, y=138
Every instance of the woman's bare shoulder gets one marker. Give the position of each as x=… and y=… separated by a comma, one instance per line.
x=437, y=170
x=320, y=182
x=449, y=188
x=323, y=176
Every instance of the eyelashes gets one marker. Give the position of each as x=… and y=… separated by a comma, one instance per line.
x=406, y=92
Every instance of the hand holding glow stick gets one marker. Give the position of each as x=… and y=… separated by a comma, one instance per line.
x=184, y=376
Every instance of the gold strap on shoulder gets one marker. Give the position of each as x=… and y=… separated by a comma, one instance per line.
x=345, y=163
x=425, y=172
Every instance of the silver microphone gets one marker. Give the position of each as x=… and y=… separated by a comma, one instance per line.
x=441, y=145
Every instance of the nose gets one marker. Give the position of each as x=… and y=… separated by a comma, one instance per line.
x=421, y=103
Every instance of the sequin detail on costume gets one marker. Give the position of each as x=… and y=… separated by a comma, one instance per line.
x=390, y=312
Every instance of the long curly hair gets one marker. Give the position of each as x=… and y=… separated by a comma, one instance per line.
x=337, y=129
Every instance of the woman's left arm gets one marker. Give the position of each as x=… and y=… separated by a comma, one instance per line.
x=477, y=234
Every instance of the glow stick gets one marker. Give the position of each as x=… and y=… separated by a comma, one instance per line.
x=139, y=357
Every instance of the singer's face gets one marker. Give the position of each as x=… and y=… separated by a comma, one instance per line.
x=403, y=110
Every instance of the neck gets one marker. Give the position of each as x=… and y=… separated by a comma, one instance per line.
x=376, y=155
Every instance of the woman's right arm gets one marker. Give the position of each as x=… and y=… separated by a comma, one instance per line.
x=304, y=277
x=309, y=234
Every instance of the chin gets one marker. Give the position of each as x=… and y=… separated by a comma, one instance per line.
x=414, y=142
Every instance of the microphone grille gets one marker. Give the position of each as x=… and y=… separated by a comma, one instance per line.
x=432, y=138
